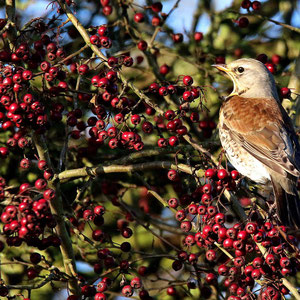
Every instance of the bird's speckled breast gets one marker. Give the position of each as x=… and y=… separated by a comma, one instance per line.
x=241, y=160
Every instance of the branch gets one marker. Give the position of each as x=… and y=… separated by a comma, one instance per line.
x=58, y=211
x=10, y=13
x=10, y=10
x=34, y=285
x=95, y=171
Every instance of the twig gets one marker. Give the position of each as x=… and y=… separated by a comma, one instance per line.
x=34, y=285
x=157, y=29
x=290, y=27
x=124, y=205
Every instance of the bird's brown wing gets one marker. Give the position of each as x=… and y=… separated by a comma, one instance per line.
x=259, y=127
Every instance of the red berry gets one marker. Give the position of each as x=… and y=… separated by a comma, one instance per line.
x=220, y=60
x=173, y=202
x=257, y=262
x=271, y=67
x=135, y=119
x=139, y=17
x=3, y=291
x=246, y=4
x=136, y=283
x=113, y=143
x=154, y=87
x=169, y=114
x=234, y=174
x=164, y=69
x=228, y=243
x=173, y=141
x=40, y=184
x=142, y=45
x=156, y=21
x=222, y=174
x=177, y=38
x=220, y=218
x=198, y=36
x=188, y=96
x=187, y=80
x=251, y=227
x=173, y=175
x=32, y=273
x=193, y=209
x=156, y=7
x=284, y=262
x=285, y=92
x=223, y=270
x=102, y=30
x=194, y=117
x=142, y=270
x=147, y=127
x=127, y=291
x=256, y=274
x=95, y=40
x=270, y=259
x=171, y=291
x=210, y=278
x=186, y=226
x=162, y=143
x=163, y=91
x=262, y=58
x=99, y=296
x=276, y=59
x=112, y=61
x=210, y=255
x=83, y=69
x=243, y=22
x=256, y=5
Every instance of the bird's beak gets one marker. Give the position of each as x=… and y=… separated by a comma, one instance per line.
x=222, y=68
x=231, y=74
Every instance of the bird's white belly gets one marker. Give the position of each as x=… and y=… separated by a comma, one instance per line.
x=243, y=162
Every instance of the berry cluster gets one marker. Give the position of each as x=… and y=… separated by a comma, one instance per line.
x=28, y=218
x=234, y=252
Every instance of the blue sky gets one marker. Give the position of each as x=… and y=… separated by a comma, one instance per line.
x=180, y=20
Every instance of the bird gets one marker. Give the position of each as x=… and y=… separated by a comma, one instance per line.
x=258, y=136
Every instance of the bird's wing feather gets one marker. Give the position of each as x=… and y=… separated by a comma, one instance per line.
x=258, y=125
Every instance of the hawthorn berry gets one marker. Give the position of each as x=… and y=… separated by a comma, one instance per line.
x=139, y=17
x=198, y=36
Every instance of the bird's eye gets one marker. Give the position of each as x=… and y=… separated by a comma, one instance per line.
x=240, y=69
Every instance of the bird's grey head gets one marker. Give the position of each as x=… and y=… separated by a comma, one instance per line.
x=251, y=78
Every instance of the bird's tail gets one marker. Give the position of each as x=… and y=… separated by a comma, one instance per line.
x=288, y=205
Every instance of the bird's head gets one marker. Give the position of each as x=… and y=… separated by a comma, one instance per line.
x=251, y=78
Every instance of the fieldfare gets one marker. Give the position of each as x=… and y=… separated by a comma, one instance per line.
x=258, y=136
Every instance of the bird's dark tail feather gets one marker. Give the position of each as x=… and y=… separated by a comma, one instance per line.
x=288, y=206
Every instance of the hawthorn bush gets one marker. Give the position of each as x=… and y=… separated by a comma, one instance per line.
x=113, y=182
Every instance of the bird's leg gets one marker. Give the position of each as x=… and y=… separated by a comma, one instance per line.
x=221, y=157
x=271, y=204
